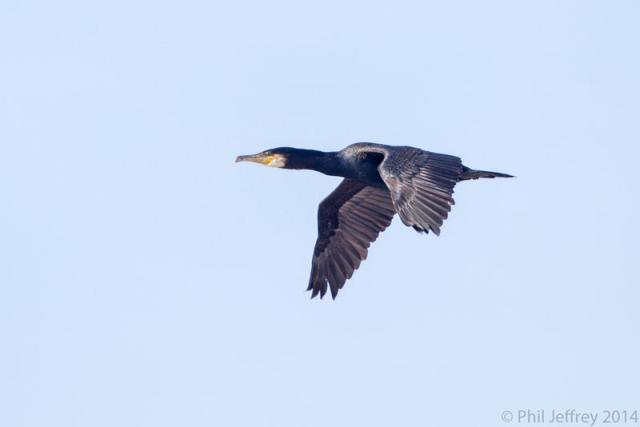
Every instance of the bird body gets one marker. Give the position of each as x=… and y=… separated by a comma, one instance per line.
x=379, y=181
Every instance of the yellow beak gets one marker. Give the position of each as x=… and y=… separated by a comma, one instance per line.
x=255, y=158
x=273, y=160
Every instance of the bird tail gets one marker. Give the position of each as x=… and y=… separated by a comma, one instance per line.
x=468, y=173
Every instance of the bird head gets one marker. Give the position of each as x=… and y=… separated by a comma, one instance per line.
x=275, y=157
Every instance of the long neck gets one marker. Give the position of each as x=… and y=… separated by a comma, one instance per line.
x=327, y=163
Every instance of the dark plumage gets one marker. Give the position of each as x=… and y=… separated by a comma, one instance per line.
x=379, y=181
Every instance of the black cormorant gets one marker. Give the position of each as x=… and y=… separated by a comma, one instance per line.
x=379, y=181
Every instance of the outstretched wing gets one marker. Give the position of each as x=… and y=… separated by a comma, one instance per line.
x=421, y=185
x=349, y=219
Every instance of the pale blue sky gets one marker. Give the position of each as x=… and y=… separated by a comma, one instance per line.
x=147, y=280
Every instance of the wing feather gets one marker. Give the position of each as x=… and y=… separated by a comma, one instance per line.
x=349, y=220
x=420, y=182
x=421, y=185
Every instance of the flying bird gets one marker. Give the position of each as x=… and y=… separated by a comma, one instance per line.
x=379, y=182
